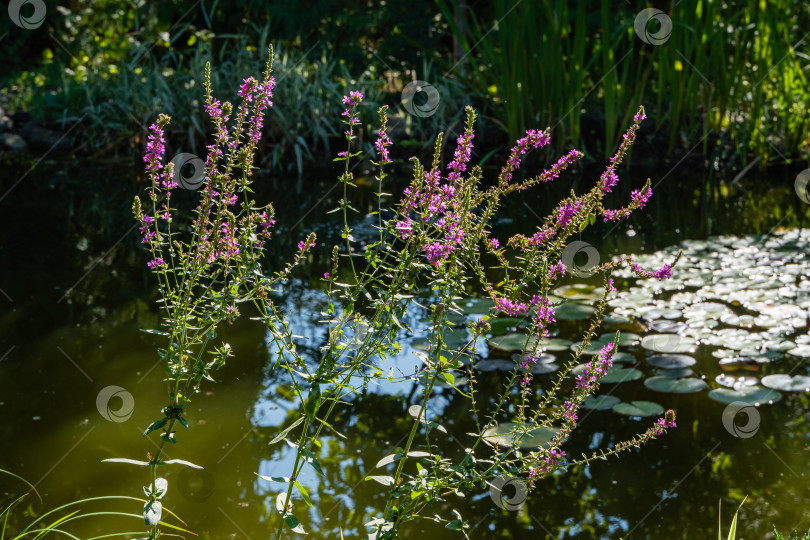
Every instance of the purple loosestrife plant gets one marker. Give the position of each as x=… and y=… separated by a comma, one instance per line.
x=207, y=269
x=435, y=243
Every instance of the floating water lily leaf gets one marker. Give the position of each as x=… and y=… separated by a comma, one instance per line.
x=600, y=403
x=571, y=311
x=502, y=325
x=542, y=369
x=504, y=435
x=667, y=327
x=802, y=351
x=578, y=369
x=663, y=313
x=494, y=365
x=619, y=374
x=676, y=373
x=755, y=395
x=731, y=381
x=671, y=361
x=580, y=291
x=708, y=307
x=668, y=343
x=675, y=386
x=626, y=339
x=623, y=357
x=551, y=344
x=623, y=323
x=508, y=342
x=593, y=347
x=639, y=408
x=544, y=358
x=786, y=383
x=477, y=306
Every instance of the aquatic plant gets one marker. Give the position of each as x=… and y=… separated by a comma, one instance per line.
x=434, y=243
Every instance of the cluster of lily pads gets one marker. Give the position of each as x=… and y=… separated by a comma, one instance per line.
x=733, y=320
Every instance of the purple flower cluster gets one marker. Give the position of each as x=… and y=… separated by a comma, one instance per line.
x=156, y=263
x=556, y=271
x=461, y=156
x=222, y=232
x=263, y=94
x=638, y=198
x=352, y=101
x=510, y=307
x=609, y=179
x=566, y=212
x=155, y=147
x=544, y=316
x=381, y=144
x=533, y=139
x=660, y=274
x=438, y=204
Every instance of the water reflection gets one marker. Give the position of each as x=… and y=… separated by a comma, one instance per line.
x=60, y=351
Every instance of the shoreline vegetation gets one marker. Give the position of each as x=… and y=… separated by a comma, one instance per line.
x=704, y=84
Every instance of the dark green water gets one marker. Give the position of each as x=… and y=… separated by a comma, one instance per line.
x=75, y=292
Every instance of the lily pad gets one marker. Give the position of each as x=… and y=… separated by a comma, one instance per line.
x=802, y=351
x=580, y=291
x=667, y=327
x=756, y=395
x=477, y=306
x=676, y=373
x=675, y=386
x=738, y=381
x=552, y=344
x=786, y=383
x=508, y=342
x=504, y=435
x=671, y=361
x=668, y=343
x=494, y=365
x=619, y=374
x=542, y=369
x=626, y=339
x=615, y=374
x=639, y=408
x=623, y=357
x=571, y=311
x=663, y=313
x=541, y=359
x=502, y=325
x=593, y=347
x=600, y=403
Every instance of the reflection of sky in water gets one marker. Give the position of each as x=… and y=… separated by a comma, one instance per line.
x=732, y=296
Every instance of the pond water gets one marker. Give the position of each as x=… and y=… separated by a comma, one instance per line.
x=75, y=292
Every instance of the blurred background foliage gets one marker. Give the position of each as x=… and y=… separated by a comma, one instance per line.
x=729, y=86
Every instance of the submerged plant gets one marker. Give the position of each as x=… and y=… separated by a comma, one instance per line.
x=435, y=243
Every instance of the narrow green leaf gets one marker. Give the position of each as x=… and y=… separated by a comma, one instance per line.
x=304, y=493
x=284, y=433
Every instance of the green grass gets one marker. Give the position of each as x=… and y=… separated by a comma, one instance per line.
x=733, y=72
